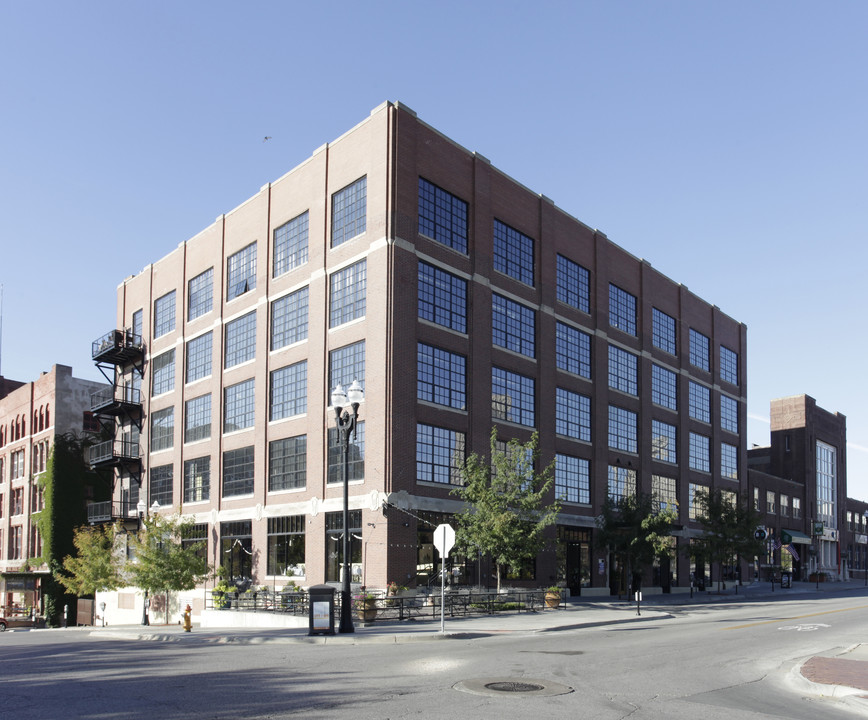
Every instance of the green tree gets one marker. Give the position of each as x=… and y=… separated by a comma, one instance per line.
x=96, y=565
x=508, y=507
x=637, y=531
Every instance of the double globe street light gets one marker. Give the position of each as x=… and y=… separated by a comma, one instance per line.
x=345, y=421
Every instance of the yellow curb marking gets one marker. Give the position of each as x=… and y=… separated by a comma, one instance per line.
x=795, y=617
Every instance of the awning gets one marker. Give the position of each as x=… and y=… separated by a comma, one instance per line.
x=799, y=537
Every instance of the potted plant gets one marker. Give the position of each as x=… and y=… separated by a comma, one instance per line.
x=219, y=595
x=553, y=596
x=365, y=604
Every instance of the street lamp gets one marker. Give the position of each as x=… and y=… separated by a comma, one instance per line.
x=142, y=509
x=345, y=421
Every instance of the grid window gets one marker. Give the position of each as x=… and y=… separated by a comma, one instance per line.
x=290, y=245
x=512, y=397
x=728, y=414
x=663, y=445
x=200, y=294
x=797, y=508
x=573, y=350
x=162, y=429
x=287, y=463
x=241, y=272
x=16, y=533
x=622, y=310
x=289, y=391
x=698, y=350
x=664, y=387
x=347, y=364
x=163, y=373
x=513, y=253
x=238, y=472
x=348, y=212
x=827, y=474
x=573, y=415
x=770, y=502
x=138, y=326
x=785, y=508
x=442, y=216
x=728, y=365
x=240, y=340
x=239, y=406
x=161, y=484
x=622, y=429
x=574, y=284
x=512, y=325
x=197, y=418
x=16, y=502
x=199, y=357
x=441, y=377
x=623, y=368
x=164, y=314
x=442, y=298
x=286, y=545
x=572, y=479
x=664, y=490
x=622, y=483
x=663, y=331
x=696, y=499
x=700, y=452
x=356, y=455
x=289, y=319
x=699, y=402
x=439, y=454
x=197, y=479
x=347, y=296
x=728, y=461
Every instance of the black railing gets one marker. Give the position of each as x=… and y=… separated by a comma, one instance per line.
x=113, y=451
x=116, y=396
x=110, y=510
x=117, y=345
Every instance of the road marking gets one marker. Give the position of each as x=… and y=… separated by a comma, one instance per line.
x=794, y=617
x=809, y=627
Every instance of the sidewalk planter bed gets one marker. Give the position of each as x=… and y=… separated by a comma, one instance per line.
x=553, y=597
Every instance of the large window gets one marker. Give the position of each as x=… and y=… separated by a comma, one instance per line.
x=622, y=429
x=289, y=391
x=334, y=545
x=200, y=294
x=240, y=340
x=728, y=461
x=698, y=350
x=512, y=325
x=163, y=373
x=162, y=429
x=290, y=245
x=238, y=472
x=239, y=406
x=700, y=452
x=574, y=284
x=573, y=350
x=289, y=319
x=827, y=484
x=199, y=357
x=728, y=414
x=663, y=331
x=572, y=479
x=442, y=297
x=728, y=365
x=442, y=216
x=161, y=484
x=287, y=463
x=622, y=483
x=197, y=479
x=164, y=314
x=663, y=445
x=664, y=491
x=197, y=418
x=286, y=545
x=696, y=499
x=512, y=397
x=441, y=377
x=439, y=454
x=347, y=364
x=623, y=371
x=241, y=272
x=236, y=550
x=513, y=253
x=349, y=207
x=347, y=294
x=573, y=415
x=699, y=402
x=356, y=455
x=622, y=310
x=664, y=387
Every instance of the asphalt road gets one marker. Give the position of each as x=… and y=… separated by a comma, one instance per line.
x=710, y=662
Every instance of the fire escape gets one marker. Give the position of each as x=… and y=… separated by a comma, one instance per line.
x=120, y=357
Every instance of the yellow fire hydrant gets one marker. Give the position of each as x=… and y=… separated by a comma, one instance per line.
x=188, y=622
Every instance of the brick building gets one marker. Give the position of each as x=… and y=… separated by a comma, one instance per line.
x=458, y=299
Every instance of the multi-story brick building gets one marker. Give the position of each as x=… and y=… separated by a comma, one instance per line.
x=459, y=299
x=32, y=416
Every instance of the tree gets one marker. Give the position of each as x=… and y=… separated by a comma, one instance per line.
x=95, y=566
x=637, y=531
x=507, y=505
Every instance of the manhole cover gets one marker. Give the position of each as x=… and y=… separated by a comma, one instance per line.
x=514, y=687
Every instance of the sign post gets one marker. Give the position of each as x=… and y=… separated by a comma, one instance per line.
x=444, y=539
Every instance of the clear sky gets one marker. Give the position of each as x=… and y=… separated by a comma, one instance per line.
x=723, y=142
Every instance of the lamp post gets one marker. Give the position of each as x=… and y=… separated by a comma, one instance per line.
x=142, y=509
x=345, y=421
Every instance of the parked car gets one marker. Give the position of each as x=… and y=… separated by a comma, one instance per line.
x=16, y=621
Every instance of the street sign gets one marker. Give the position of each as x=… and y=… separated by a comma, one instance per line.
x=760, y=533
x=444, y=539
x=818, y=528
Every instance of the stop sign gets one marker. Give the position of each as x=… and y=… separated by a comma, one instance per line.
x=444, y=539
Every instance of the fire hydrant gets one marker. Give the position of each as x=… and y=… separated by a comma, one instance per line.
x=188, y=622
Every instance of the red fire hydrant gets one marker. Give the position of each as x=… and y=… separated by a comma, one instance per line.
x=188, y=622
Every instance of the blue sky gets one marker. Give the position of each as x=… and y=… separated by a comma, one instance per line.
x=723, y=142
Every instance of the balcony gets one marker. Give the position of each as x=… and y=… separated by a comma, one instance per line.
x=110, y=511
x=118, y=347
x=115, y=453
x=116, y=400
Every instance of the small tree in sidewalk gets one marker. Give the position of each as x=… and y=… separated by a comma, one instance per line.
x=96, y=565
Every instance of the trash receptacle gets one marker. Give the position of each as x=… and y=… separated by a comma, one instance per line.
x=786, y=580
x=321, y=610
